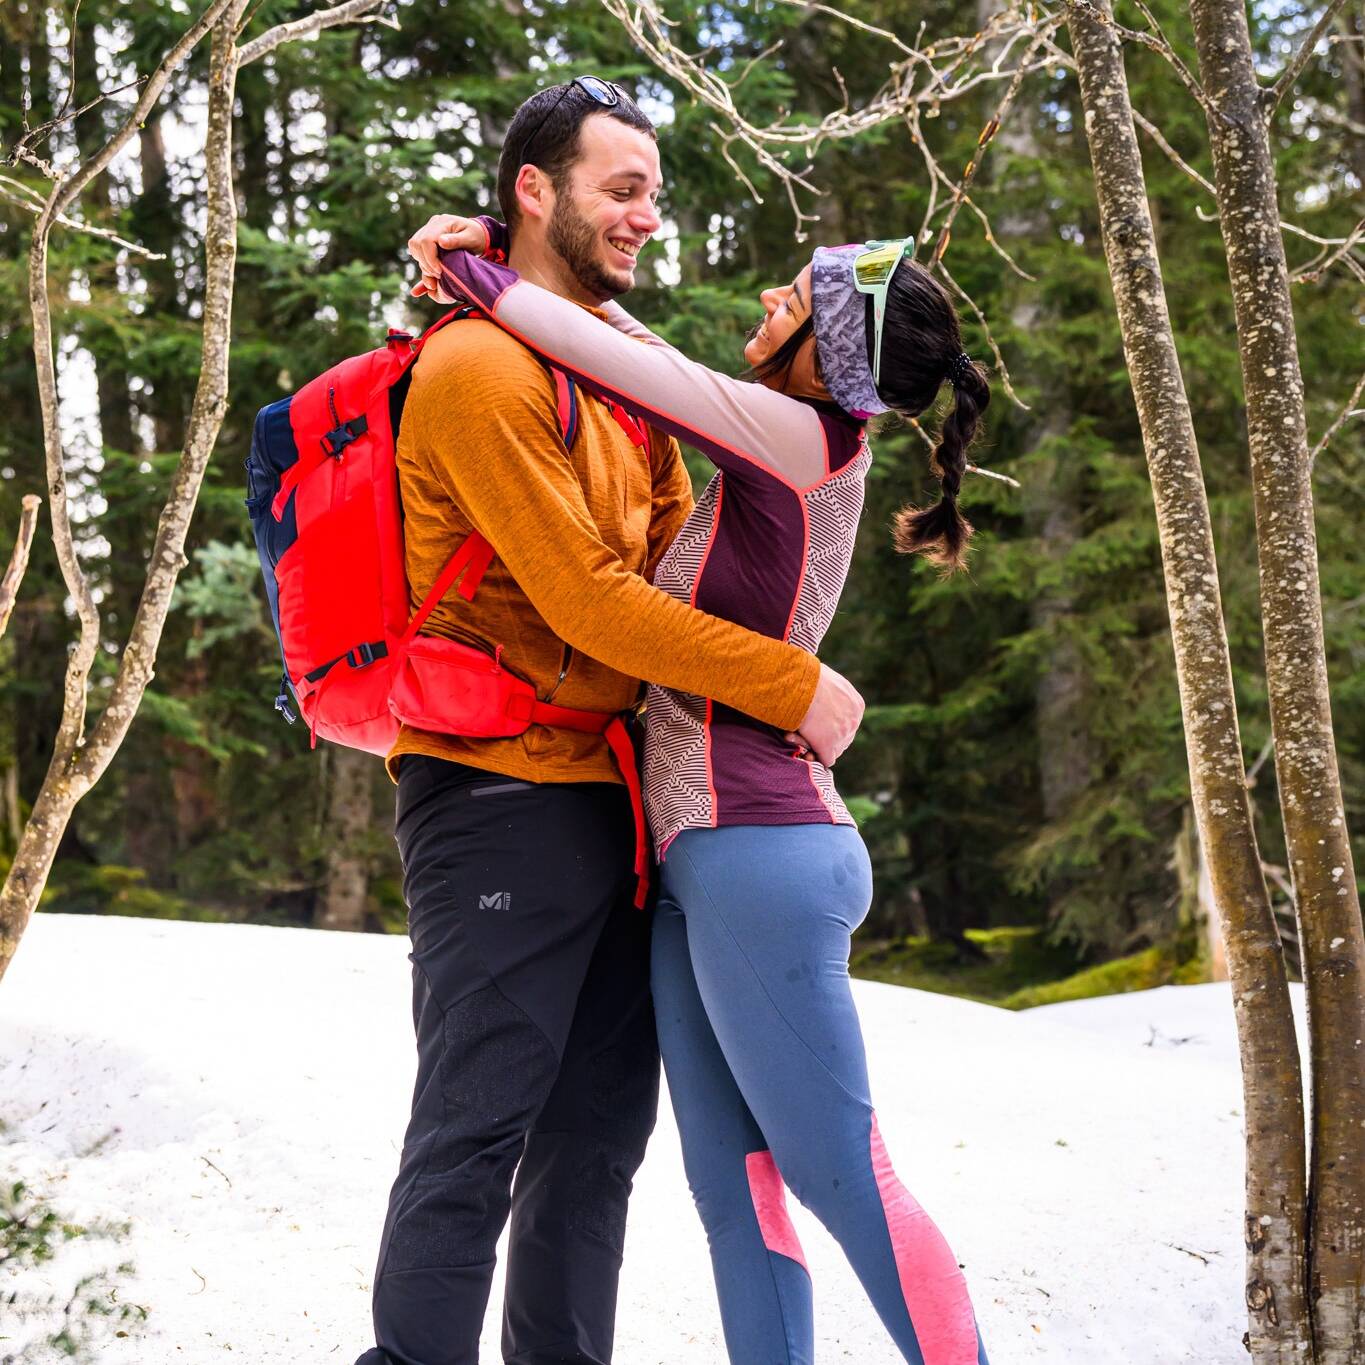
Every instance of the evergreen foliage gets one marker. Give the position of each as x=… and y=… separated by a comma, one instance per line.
x=346, y=144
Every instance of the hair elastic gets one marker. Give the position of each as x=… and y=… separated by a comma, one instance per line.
x=958, y=367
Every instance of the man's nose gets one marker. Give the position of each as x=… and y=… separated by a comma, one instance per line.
x=646, y=219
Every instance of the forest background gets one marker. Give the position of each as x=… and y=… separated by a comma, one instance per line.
x=1021, y=776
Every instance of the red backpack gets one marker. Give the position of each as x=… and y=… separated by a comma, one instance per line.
x=324, y=506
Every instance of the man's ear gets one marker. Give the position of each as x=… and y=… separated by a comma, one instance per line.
x=535, y=193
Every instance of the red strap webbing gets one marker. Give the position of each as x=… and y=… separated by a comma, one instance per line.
x=628, y=423
x=474, y=555
x=619, y=738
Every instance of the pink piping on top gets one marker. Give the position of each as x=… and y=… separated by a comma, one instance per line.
x=791, y=621
x=932, y=1283
x=805, y=562
x=692, y=601
x=770, y=1205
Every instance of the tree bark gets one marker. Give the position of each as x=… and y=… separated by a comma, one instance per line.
x=350, y=814
x=18, y=562
x=1351, y=54
x=79, y=759
x=1319, y=848
x=1271, y=1077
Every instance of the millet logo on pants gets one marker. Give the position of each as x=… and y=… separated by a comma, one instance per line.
x=499, y=900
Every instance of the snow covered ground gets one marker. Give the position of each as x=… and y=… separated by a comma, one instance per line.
x=237, y=1095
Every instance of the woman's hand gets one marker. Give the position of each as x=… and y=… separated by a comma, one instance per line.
x=443, y=232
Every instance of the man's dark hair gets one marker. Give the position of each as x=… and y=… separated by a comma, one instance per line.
x=552, y=142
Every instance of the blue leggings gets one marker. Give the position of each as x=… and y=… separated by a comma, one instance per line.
x=765, y=1065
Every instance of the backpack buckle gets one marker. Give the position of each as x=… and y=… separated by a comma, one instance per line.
x=282, y=700
x=365, y=654
x=336, y=440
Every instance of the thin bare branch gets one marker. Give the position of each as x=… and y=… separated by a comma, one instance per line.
x=983, y=142
x=811, y=7
x=66, y=114
x=18, y=560
x=1349, y=411
x=1272, y=95
x=1001, y=368
x=1157, y=42
x=10, y=190
x=1156, y=135
x=992, y=474
x=358, y=11
x=1313, y=272
x=1254, y=771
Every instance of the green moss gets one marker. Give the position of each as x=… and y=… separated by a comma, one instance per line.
x=1008, y=959
x=107, y=889
x=1019, y=968
x=1158, y=966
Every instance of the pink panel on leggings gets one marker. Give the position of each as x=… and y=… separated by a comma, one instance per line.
x=770, y=1204
x=934, y=1288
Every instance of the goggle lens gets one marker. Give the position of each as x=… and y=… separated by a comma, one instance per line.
x=875, y=267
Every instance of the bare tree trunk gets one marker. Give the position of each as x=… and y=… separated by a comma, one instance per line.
x=1271, y=1077
x=350, y=814
x=18, y=561
x=1351, y=54
x=1197, y=904
x=78, y=760
x=1319, y=848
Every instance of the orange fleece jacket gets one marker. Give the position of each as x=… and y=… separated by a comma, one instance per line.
x=577, y=535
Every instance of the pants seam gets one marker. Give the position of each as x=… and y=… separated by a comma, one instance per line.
x=758, y=981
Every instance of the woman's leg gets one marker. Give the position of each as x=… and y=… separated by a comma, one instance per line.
x=761, y=1279
x=769, y=913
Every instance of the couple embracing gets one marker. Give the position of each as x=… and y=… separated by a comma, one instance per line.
x=543, y=994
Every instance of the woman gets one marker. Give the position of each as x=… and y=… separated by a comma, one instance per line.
x=764, y=876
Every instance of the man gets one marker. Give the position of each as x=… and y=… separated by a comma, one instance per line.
x=536, y=1049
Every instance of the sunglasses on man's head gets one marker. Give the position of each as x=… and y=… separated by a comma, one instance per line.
x=603, y=92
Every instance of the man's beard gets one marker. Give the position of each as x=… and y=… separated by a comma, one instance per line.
x=574, y=240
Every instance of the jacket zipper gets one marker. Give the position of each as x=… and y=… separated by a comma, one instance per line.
x=565, y=660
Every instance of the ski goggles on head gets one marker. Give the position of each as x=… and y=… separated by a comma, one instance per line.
x=603, y=92
x=873, y=268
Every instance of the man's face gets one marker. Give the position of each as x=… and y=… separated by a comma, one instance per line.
x=605, y=211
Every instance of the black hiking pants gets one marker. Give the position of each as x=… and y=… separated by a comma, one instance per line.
x=537, y=1058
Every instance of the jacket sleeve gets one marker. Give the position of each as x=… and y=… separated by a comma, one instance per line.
x=514, y=480
x=671, y=503
x=748, y=430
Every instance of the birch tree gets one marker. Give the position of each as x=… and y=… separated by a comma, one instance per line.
x=83, y=751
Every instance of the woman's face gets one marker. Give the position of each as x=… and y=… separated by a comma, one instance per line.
x=786, y=307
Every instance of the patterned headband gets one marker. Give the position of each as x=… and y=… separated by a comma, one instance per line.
x=840, y=314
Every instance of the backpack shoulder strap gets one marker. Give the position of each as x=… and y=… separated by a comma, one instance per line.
x=566, y=403
x=566, y=397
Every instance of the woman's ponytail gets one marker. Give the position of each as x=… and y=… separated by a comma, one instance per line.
x=941, y=533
